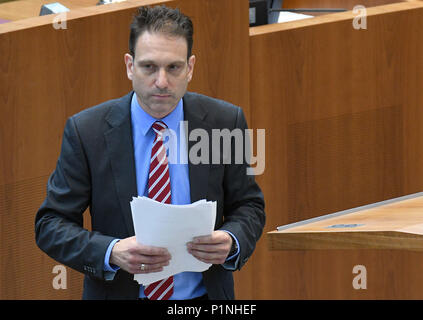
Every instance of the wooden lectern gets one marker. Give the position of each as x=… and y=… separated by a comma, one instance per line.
x=392, y=224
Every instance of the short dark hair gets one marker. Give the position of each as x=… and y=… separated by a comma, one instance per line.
x=161, y=19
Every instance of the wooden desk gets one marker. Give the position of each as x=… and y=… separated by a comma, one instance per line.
x=22, y=9
x=344, y=4
x=343, y=119
x=394, y=224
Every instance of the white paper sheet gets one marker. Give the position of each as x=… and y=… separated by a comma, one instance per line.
x=172, y=226
x=286, y=16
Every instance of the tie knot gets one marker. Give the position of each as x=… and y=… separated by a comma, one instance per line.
x=159, y=127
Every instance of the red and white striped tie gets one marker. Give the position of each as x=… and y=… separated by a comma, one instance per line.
x=159, y=190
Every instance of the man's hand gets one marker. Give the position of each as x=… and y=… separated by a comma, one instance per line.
x=129, y=255
x=211, y=249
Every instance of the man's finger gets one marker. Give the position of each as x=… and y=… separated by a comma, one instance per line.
x=207, y=257
x=204, y=239
x=152, y=251
x=153, y=259
x=149, y=268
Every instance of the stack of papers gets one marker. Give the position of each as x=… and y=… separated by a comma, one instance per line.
x=286, y=16
x=172, y=227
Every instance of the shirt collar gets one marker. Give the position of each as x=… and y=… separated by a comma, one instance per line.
x=143, y=121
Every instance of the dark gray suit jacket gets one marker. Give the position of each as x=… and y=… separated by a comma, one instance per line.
x=96, y=169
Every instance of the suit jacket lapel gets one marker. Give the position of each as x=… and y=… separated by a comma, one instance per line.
x=195, y=114
x=121, y=151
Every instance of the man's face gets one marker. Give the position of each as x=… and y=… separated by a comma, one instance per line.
x=159, y=71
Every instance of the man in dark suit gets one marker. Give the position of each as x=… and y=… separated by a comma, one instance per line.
x=105, y=162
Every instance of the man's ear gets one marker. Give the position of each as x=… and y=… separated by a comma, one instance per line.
x=191, y=63
x=129, y=62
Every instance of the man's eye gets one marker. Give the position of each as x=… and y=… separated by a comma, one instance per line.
x=174, y=67
x=147, y=67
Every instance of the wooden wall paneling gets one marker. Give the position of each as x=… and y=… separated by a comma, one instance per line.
x=342, y=113
x=221, y=46
x=48, y=74
x=411, y=79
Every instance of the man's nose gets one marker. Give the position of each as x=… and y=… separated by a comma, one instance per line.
x=161, y=80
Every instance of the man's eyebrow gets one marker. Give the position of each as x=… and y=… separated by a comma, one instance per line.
x=144, y=62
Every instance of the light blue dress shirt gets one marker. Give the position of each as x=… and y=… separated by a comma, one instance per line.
x=187, y=285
